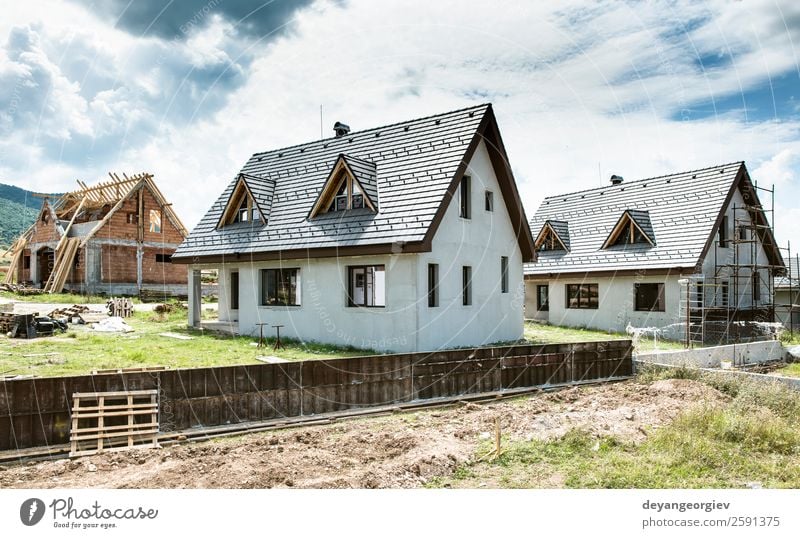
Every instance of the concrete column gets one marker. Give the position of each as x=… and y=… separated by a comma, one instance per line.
x=195, y=297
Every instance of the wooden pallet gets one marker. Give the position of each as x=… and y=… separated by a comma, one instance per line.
x=120, y=306
x=113, y=421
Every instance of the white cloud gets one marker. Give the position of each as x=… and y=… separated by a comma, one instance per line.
x=573, y=85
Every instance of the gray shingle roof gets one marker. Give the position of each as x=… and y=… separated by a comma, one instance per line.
x=415, y=162
x=682, y=210
x=642, y=218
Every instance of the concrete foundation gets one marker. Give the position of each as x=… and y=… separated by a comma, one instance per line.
x=712, y=357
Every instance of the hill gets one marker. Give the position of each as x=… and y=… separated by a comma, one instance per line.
x=18, y=210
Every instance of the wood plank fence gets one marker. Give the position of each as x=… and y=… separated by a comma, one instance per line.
x=36, y=412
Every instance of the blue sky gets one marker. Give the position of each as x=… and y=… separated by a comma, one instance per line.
x=188, y=90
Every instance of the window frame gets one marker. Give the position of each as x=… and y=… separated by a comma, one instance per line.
x=466, y=285
x=279, y=280
x=465, y=195
x=722, y=234
x=591, y=295
x=154, y=228
x=233, y=292
x=503, y=274
x=433, y=285
x=489, y=201
x=350, y=285
x=542, y=306
x=661, y=302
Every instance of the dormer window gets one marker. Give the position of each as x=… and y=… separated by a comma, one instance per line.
x=242, y=207
x=352, y=184
x=633, y=228
x=554, y=236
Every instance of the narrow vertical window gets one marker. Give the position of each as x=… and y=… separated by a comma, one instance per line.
x=543, y=297
x=723, y=232
x=155, y=221
x=433, y=284
x=504, y=274
x=234, y=291
x=465, y=198
x=756, y=288
x=466, y=284
x=489, y=201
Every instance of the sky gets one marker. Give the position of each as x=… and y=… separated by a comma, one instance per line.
x=189, y=89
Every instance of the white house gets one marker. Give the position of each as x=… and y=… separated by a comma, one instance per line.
x=406, y=237
x=656, y=253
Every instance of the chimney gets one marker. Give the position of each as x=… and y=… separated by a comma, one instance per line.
x=340, y=129
x=616, y=180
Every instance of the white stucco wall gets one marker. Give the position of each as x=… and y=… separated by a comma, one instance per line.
x=616, y=308
x=406, y=323
x=718, y=256
x=478, y=242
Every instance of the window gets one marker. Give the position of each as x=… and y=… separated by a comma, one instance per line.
x=155, y=221
x=724, y=294
x=466, y=285
x=358, y=201
x=743, y=233
x=756, y=288
x=489, y=201
x=548, y=240
x=163, y=258
x=235, y=290
x=582, y=296
x=543, y=297
x=26, y=262
x=465, y=209
x=649, y=297
x=366, y=285
x=723, y=232
x=133, y=218
x=279, y=287
x=433, y=284
x=503, y=274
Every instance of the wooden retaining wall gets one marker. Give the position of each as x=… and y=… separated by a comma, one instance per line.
x=36, y=412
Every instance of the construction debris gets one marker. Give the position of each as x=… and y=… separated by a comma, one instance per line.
x=120, y=307
x=19, y=289
x=70, y=312
x=113, y=324
x=29, y=325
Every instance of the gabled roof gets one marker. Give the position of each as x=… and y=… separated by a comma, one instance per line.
x=363, y=175
x=263, y=202
x=559, y=228
x=684, y=210
x=417, y=165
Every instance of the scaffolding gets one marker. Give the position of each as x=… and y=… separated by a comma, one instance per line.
x=736, y=303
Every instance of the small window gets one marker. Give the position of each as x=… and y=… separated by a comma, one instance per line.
x=45, y=217
x=503, y=274
x=366, y=286
x=582, y=296
x=133, y=218
x=155, y=221
x=234, y=291
x=433, y=284
x=649, y=297
x=163, y=258
x=279, y=287
x=466, y=285
x=723, y=232
x=465, y=209
x=26, y=262
x=543, y=297
x=756, y=288
x=743, y=235
x=358, y=201
x=489, y=201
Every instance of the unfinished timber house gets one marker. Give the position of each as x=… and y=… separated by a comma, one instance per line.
x=407, y=237
x=114, y=238
x=690, y=256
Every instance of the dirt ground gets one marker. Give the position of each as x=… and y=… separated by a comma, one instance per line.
x=398, y=451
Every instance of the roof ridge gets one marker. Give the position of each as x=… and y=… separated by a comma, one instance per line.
x=651, y=178
x=353, y=133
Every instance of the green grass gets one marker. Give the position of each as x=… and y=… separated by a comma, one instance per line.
x=79, y=351
x=754, y=438
x=555, y=334
x=790, y=370
x=59, y=298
